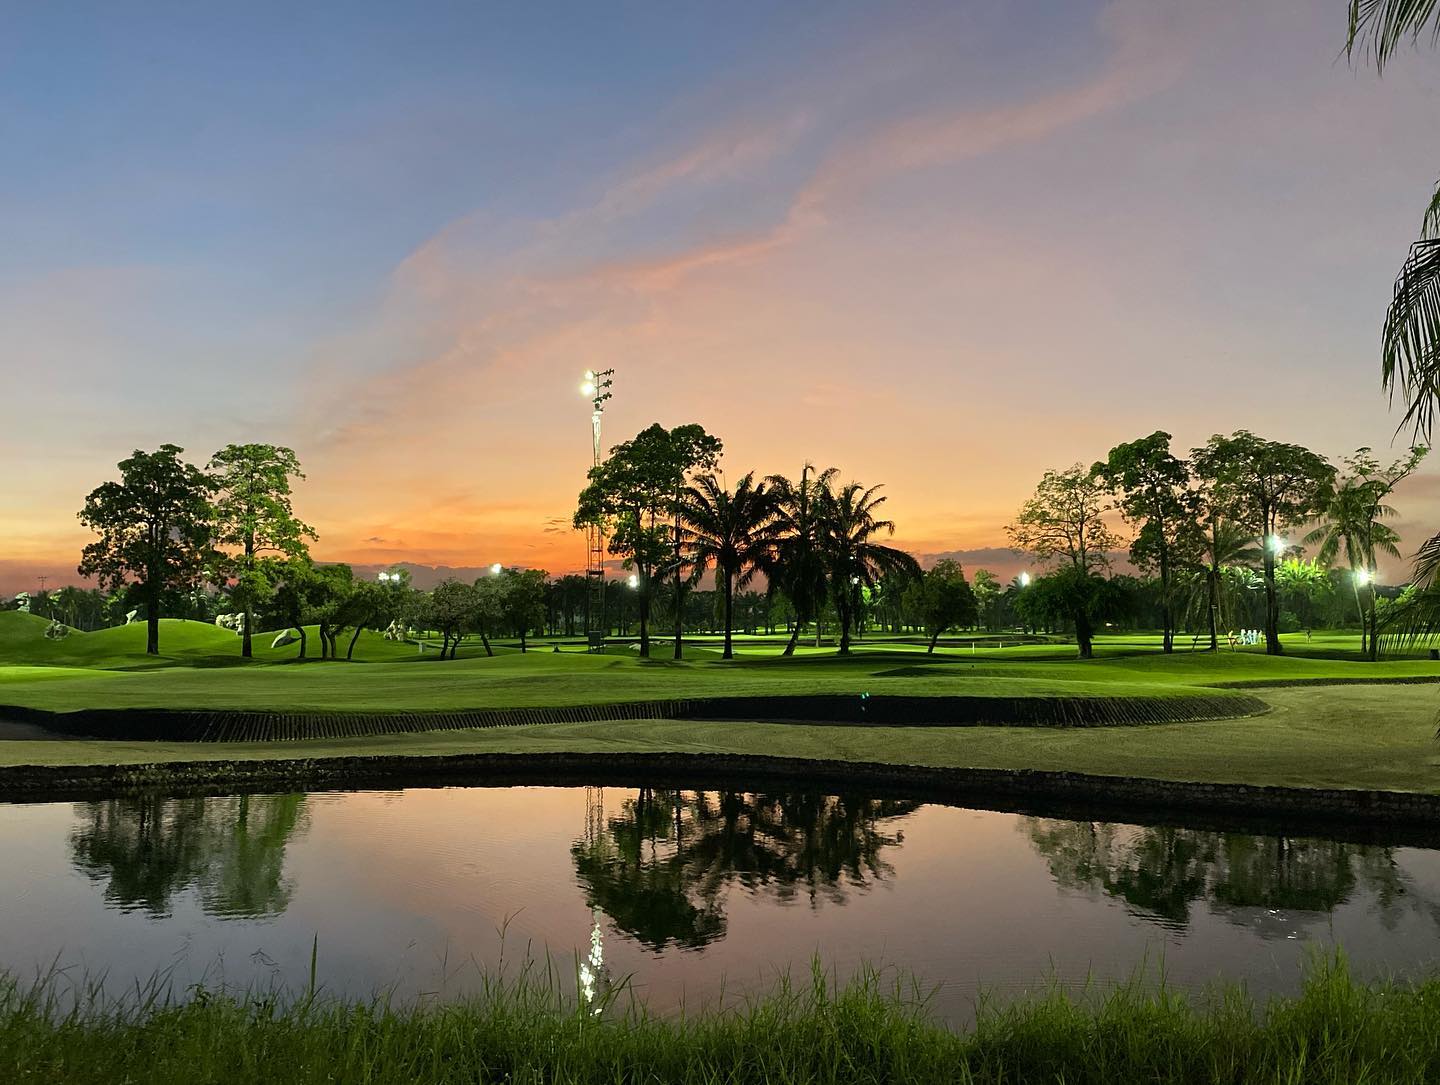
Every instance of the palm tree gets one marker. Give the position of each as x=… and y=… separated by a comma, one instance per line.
x=1227, y=543
x=797, y=566
x=853, y=559
x=1410, y=341
x=733, y=531
x=1352, y=527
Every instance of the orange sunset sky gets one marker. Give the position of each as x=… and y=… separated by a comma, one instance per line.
x=941, y=246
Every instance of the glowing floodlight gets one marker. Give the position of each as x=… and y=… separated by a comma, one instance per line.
x=1363, y=576
x=589, y=374
x=495, y=569
x=634, y=581
x=1024, y=580
x=1277, y=544
x=588, y=388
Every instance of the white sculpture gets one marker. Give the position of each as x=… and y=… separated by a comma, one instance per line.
x=287, y=636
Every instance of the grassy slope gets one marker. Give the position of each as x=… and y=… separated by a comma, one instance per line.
x=201, y=668
x=1362, y=736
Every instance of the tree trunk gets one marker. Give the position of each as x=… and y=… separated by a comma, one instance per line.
x=933, y=639
x=248, y=617
x=1212, y=580
x=152, y=618
x=1084, y=635
x=1166, y=617
x=644, y=602
x=485, y=640
x=350, y=651
x=794, y=639
x=729, y=614
x=679, y=595
x=1272, y=603
x=1373, y=647
x=303, y=642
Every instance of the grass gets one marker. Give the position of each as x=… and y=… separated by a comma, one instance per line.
x=1360, y=737
x=1337, y=1031
x=201, y=669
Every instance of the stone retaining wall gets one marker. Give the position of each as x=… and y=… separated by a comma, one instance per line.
x=1335, y=811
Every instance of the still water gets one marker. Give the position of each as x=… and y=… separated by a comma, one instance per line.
x=691, y=892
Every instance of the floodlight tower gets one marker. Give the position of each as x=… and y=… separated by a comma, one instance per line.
x=596, y=386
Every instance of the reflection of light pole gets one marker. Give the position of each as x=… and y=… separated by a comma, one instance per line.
x=596, y=386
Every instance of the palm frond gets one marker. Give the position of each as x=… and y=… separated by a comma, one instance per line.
x=1380, y=27
x=1430, y=226
x=1410, y=342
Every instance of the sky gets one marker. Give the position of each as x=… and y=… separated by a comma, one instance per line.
x=943, y=247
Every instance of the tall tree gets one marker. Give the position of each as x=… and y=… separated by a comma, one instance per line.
x=522, y=600
x=732, y=531
x=854, y=560
x=798, y=566
x=1410, y=336
x=1064, y=523
x=451, y=610
x=1268, y=486
x=941, y=599
x=1352, y=524
x=635, y=494
x=1225, y=544
x=988, y=596
x=254, y=520
x=695, y=451
x=154, y=528
x=1152, y=489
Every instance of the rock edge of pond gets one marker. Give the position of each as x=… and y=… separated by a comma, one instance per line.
x=1361, y=814
x=208, y=725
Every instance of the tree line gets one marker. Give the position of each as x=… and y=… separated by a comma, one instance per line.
x=1195, y=520
x=1206, y=532
x=668, y=514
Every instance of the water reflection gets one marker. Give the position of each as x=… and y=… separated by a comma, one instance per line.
x=1272, y=884
x=230, y=850
x=659, y=868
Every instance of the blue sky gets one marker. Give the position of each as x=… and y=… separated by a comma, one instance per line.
x=945, y=246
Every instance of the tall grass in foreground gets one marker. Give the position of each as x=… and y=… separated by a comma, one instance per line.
x=523, y=1030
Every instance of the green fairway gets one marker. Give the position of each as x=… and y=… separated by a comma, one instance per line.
x=1359, y=737
x=200, y=668
x=1369, y=735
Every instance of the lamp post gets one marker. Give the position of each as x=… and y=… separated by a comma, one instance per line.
x=595, y=386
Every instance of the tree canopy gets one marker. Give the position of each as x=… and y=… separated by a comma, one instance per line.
x=154, y=529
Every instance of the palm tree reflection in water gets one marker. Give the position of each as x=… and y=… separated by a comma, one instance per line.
x=661, y=868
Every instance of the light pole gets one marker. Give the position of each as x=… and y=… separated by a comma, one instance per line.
x=596, y=387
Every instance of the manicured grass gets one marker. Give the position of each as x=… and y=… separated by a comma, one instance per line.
x=108, y=669
x=523, y=1030
x=1359, y=737
x=1365, y=736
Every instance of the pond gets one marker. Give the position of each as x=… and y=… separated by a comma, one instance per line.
x=690, y=893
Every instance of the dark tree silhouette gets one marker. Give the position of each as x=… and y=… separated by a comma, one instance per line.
x=734, y=532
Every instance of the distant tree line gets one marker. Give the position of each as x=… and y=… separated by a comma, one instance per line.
x=1209, y=529
x=1215, y=539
